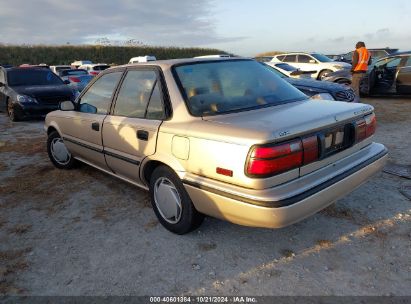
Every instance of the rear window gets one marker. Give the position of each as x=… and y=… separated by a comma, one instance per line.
x=73, y=72
x=100, y=67
x=26, y=77
x=212, y=88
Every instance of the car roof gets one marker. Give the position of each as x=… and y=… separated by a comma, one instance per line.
x=403, y=53
x=171, y=62
x=27, y=69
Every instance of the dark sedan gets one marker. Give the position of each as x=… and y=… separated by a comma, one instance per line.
x=388, y=76
x=31, y=92
x=316, y=89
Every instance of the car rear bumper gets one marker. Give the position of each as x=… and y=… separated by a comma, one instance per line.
x=267, y=209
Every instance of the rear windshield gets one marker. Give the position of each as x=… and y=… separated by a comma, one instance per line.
x=100, y=67
x=72, y=72
x=212, y=88
x=62, y=68
x=26, y=77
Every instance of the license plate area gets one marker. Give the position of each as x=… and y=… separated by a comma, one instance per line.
x=336, y=139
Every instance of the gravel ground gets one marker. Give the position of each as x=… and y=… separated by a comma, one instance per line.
x=82, y=232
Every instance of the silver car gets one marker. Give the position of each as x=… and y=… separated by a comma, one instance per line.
x=220, y=137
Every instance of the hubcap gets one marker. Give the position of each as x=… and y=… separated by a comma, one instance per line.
x=59, y=151
x=167, y=200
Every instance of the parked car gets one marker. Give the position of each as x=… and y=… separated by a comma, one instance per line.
x=64, y=74
x=95, y=68
x=78, y=63
x=312, y=62
x=57, y=68
x=289, y=70
x=375, y=54
x=31, y=92
x=316, y=89
x=78, y=83
x=225, y=138
x=386, y=76
x=142, y=59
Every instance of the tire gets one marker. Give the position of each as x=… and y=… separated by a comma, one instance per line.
x=12, y=113
x=56, y=150
x=322, y=73
x=171, y=202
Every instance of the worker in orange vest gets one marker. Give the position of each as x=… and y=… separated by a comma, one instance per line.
x=361, y=58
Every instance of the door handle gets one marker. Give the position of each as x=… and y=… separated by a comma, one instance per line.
x=142, y=134
x=95, y=126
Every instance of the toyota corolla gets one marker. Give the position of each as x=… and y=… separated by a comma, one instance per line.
x=220, y=137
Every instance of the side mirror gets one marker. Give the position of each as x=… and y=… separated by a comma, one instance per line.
x=66, y=106
x=66, y=81
x=312, y=61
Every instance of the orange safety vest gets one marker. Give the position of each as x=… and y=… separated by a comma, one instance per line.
x=363, y=58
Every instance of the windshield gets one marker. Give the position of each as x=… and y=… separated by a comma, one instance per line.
x=73, y=72
x=25, y=77
x=212, y=88
x=274, y=70
x=321, y=58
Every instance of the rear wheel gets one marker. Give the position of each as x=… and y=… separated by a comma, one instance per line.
x=59, y=155
x=171, y=202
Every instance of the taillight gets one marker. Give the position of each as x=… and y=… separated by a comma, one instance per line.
x=271, y=160
x=310, y=147
x=94, y=73
x=365, y=127
x=74, y=79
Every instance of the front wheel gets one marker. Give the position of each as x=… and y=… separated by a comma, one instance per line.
x=12, y=112
x=171, y=202
x=59, y=155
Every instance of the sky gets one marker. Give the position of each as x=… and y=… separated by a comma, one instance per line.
x=240, y=27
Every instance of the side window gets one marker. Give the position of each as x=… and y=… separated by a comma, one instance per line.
x=98, y=97
x=408, y=62
x=290, y=58
x=281, y=58
x=138, y=89
x=155, y=108
x=394, y=63
x=2, y=76
x=303, y=59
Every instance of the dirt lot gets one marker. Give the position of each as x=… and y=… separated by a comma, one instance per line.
x=81, y=232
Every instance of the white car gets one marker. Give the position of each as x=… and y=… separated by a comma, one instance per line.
x=290, y=70
x=57, y=68
x=78, y=63
x=321, y=64
x=140, y=59
x=94, y=68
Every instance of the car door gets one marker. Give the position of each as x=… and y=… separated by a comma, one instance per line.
x=404, y=77
x=81, y=130
x=130, y=131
